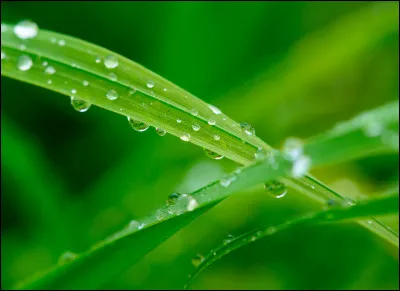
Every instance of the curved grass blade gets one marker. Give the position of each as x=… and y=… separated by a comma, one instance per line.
x=133, y=243
x=384, y=205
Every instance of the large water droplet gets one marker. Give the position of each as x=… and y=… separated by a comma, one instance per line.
x=173, y=198
x=24, y=63
x=192, y=204
x=26, y=29
x=80, y=105
x=247, y=128
x=185, y=137
x=112, y=95
x=138, y=125
x=260, y=154
x=197, y=260
x=301, y=166
x=293, y=148
x=50, y=70
x=110, y=62
x=160, y=131
x=214, y=109
x=275, y=188
x=212, y=154
x=67, y=257
x=196, y=126
x=150, y=84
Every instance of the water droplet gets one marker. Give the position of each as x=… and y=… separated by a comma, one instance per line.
x=73, y=91
x=192, y=204
x=275, y=188
x=173, y=198
x=369, y=222
x=161, y=214
x=79, y=105
x=293, y=148
x=197, y=260
x=112, y=95
x=160, y=131
x=150, y=84
x=98, y=60
x=211, y=122
x=185, y=137
x=178, y=120
x=49, y=82
x=24, y=63
x=26, y=29
x=225, y=182
x=133, y=225
x=196, y=127
x=44, y=64
x=194, y=111
x=247, y=128
x=132, y=91
x=3, y=55
x=373, y=129
x=165, y=89
x=301, y=166
x=61, y=42
x=260, y=154
x=214, y=109
x=53, y=40
x=67, y=257
x=332, y=202
x=228, y=239
x=85, y=83
x=141, y=226
x=212, y=154
x=217, y=137
x=138, y=125
x=22, y=47
x=112, y=76
x=110, y=62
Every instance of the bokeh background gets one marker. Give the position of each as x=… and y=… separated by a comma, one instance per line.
x=69, y=179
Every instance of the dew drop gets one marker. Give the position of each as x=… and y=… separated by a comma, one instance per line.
x=50, y=70
x=260, y=154
x=173, y=198
x=161, y=214
x=85, y=83
x=110, y=62
x=225, y=182
x=228, y=239
x=49, y=82
x=192, y=204
x=247, y=128
x=275, y=188
x=132, y=91
x=197, y=260
x=185, y=137
x=24, y=63
x=138, y=125
x=73, y=91
x=67, y=257
x=293, y=148
x=212, y=154
x=165, y=89
x=211, y=122
x=217, y=137
x=133, y=225
x=53, y=40
x=141, y=226
x=332, y=202
x=195, y=126
x=178, y=120
x=22, y=47
x=194, y=111
x=150, y=84
x=112, y=95
x=26, y=29
x=98, y=60
x=80, y=105
x=61, y=42
x=373, y=129
x=112, y=76
x=3, y=55
x=369, y=222
x=214, y=109
x=301, y=166
x=160, y=131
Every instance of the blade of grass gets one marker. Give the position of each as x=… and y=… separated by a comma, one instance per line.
x=384, y=205
x=77, y=274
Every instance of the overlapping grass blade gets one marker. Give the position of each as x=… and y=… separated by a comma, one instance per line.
x=130, y=245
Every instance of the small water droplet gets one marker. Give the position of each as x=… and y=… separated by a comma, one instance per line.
x=61, y=42
x=178, y=120
x=192, y=204
x=50, y=70
x=275, y=188
x=49, y=82
x=53, y=40
x=112, y=76
x=247, y=128
x=260, y=154
x=98, y=60
x=111, y=62
x=26, y=29
x=138, y=125
x=150, y=84
x=133, y=225
x=185, y=137
x=112, y=95
x=160, y=131
x=24, y=63
x=161, y=214
x=79, y=105
x=369, y=222
x=293, y=148
x=3, y=55
x=212, y=154
x=373, y=129
x=214, y=109
x=67, y=257
x=301, y=166
x=132, y=91
x=73, y=91
x=225, y=182
x=173, y=198
x=228, y=239
x=22, y=47
x=211, y=122
x=85, y=83
x=194, y=111
x=141, y=226
x=165, y=89
x=197, y=260
x=195, y=127
x=217, y=137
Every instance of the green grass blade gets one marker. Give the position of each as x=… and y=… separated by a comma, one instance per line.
x=384, y=205
x=157, y=228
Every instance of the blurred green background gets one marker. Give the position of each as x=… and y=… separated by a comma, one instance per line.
x=289, y=68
